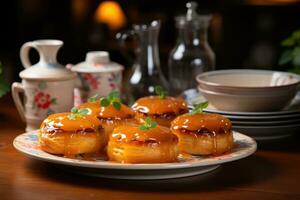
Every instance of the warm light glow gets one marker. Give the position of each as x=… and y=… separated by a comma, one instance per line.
x=110, y=13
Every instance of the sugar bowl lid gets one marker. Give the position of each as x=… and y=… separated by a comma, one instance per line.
x=97, y=61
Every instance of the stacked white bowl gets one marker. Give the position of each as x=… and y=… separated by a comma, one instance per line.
x=260, y=103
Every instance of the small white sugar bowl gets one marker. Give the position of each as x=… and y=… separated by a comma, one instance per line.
x=97, y=75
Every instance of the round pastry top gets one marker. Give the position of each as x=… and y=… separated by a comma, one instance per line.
x=132, y=134
x=108, y=111
x=156, y=105
x=61, y=121
x=111, y=112
x=93, y=106
x=212, y=122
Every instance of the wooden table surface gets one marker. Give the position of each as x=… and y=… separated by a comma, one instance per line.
x=273, y=172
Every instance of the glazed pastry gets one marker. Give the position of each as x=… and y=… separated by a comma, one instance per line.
x=70, y=134
x=203, y=134
x=111, y=113
x=133, y=144
x=162, y=110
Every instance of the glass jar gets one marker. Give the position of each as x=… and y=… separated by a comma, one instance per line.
x=192, y=53
x=146, y=72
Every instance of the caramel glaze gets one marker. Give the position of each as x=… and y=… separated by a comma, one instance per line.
x=108, y=114
x=203, y=125
x=93, y=106
x=61, y=123
x=58, y=126
x=154, y=105
x=134, y=136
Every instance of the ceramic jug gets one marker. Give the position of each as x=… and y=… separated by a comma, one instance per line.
x=46, y=88
x=97, y=75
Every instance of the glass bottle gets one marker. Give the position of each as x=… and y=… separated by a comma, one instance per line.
x=192, y=53
x=146, y=72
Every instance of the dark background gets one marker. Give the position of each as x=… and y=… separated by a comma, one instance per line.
x=243, y=33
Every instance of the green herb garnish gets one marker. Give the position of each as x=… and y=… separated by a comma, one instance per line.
x=4, y=87
x=76, y=113
x=198, y=108
x=112, y=98
x=93, y=98
x=148, y=124
x=161, y=92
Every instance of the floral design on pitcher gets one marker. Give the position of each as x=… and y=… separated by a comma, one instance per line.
x=42, y=100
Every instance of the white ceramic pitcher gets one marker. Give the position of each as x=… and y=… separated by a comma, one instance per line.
x=47, y=87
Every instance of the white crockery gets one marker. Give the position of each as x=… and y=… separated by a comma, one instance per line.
x=47, y=87
x=245, y=103
x=98, y=75
x=27, y=143
x=248, y=79
x=248, y=90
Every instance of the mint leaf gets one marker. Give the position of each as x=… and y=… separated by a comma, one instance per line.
x=112, y=98
x=104, y=102
x=153, y=125
x=199, y=108
x=74, y=110
x=116, y=105
x=143, y=128
x=159, y=91
x=93, y=98
x=148, y=124
x=114, y=94
x=148, y=120
x=75, y=113
x=72, y=117
x=83, y=111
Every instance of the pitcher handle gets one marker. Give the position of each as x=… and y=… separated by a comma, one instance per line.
x=24, y=53
x=18, y=89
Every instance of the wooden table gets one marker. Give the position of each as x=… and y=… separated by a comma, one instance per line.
x=272, y=173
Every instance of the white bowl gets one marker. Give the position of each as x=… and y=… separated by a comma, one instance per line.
x=248, y=90
x=245, y=103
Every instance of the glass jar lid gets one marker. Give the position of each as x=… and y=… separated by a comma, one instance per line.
x=192, y=18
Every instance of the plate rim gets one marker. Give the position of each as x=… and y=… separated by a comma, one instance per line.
x=153, y=166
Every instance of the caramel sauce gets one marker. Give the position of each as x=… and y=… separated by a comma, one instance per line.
x=202, y=124
x=133, y=135
x=108, y=112
x=93, y=106
x=111, y=112
x=156, y=105
x=61, y=121
x=211, y=122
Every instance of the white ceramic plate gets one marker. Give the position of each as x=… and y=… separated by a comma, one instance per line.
x=27, y=143
x=266, y=123
x=264, y=118
x=268, y=132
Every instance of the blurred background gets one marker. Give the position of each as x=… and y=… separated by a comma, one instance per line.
x=243, y=33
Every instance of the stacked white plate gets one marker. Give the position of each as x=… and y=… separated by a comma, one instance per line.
x=261, y=125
